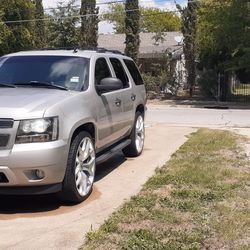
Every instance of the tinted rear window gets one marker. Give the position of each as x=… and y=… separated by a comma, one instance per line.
x=134, y=72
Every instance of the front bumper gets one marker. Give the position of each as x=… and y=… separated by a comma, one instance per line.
x=19, y=164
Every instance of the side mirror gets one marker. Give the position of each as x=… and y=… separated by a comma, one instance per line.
x=109, y=84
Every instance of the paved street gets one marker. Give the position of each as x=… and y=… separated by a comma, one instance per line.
x=197, y=117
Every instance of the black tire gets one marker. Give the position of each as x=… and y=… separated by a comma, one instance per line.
x=131, y=150
x=69, y=191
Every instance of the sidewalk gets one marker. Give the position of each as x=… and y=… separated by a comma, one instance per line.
x=189, y=103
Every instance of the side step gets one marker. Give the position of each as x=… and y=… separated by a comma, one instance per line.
x=108, y=154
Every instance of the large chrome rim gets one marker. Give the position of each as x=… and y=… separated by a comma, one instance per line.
x=85, y=166
x=140, y=134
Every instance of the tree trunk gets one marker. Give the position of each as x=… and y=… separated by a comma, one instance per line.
x=40, y=34
x=89, y=26
x=132, y=27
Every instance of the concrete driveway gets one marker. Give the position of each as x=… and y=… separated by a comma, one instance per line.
x=43, y=223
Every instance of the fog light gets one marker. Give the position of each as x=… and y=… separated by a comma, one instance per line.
x=40, y=174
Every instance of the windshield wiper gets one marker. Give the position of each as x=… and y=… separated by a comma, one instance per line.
x=40, y=84
x=7, y=85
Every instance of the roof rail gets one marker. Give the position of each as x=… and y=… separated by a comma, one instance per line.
x=103, y=50
x=77, y=48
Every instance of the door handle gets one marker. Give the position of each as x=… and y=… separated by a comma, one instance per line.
x=133, y=97
x=118, y=102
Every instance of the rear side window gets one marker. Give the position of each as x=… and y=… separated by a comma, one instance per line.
x=119, y=71
x=101, y=70
x=134, y=72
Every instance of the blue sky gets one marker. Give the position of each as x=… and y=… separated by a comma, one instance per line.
x=105, y=27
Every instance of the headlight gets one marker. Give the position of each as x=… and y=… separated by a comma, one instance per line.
x=37, y=130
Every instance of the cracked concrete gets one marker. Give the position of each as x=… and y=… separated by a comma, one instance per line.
x=197, y=117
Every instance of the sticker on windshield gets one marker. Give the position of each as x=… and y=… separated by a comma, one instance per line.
x=75, y=79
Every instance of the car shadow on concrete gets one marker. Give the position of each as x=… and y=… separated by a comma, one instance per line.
x=45, y=205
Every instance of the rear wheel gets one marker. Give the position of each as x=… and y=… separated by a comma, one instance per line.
x=137, y=137
x=80, y=171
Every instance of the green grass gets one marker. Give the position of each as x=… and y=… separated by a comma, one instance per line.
x=199, y=199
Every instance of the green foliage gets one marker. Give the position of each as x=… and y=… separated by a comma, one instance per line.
x=189, y=27
x=39, y=32
x=63, y=31
x=208, y=81
x=162, y=79
x=4, y=34
x=132, y=28
x=151, y=19
x=224, y=34
x=16, y=36
x=89, y=25
x=156, y=20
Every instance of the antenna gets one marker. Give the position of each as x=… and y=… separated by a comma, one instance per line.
x=179, y=39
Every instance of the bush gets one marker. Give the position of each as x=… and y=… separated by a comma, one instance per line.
x=208, y=82
x=162, y=83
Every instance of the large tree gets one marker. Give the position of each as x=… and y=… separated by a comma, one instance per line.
x=63, y=26
x=132, y=28
x=4, y=34
x=89, y=25
x=39, y=32
x=189, y=30
x=151, y=19
x=224, y=35
x=20, y=34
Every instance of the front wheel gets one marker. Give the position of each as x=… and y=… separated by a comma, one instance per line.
x=137, y=137
x=80, y=171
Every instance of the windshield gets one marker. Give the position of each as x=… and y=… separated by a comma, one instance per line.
x=65, y=71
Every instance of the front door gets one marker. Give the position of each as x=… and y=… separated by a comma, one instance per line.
x=109, y=108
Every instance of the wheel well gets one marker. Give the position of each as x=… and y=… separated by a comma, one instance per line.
x=140, y=108
x=88, y=127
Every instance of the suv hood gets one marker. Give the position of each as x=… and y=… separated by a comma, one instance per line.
x=25, y=103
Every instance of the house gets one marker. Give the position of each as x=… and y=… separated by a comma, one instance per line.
x=154, y=48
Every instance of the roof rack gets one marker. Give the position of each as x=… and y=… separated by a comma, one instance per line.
x=103, y=50
x=76, y=49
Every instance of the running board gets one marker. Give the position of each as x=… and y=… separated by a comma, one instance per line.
x=108, y=154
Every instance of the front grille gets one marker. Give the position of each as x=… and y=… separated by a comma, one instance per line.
x=3, y=178
x=4, y=139
x=6, y=123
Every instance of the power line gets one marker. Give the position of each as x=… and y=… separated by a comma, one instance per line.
x=87, y=15
x=88, y=4
x=109, y=3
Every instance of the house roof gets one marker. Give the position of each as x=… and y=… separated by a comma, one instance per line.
x=148, y=46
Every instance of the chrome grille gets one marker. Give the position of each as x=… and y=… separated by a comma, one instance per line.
x=4, y=139
x=6, y=123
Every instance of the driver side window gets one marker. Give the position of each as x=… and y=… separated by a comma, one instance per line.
x=101, y=70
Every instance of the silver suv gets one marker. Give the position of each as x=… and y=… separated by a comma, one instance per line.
x=63, y=112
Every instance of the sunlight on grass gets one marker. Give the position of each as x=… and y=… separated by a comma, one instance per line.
x=200, y=198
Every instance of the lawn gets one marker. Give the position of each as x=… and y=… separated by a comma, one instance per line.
x=199, y=200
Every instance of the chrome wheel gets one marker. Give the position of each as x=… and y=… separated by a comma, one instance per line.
x=139, y=134
x=85, y=166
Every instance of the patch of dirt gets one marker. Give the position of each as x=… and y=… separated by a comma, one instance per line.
x=164, y=191
x=215, y=243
